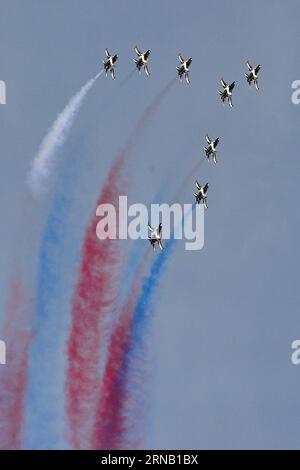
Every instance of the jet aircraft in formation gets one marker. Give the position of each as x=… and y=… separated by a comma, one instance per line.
x=141, y=61
x=201, y=195
x=183, y=69
x=211, y=149
x=252, y=76
x=155, y=236
x=109, y=63
x=226, y=93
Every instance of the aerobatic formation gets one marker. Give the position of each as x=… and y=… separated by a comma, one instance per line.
x=105, y=326
x=210, y=150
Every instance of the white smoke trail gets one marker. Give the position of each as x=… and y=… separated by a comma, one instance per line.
x=44, y=161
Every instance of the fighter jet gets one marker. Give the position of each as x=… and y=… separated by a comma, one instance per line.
x=201, y=195
x=142, y=60
x=183, y=70
x=155, y=236
x=211, y=149
x=226, y=93
x=252, y=75
x=109, y=64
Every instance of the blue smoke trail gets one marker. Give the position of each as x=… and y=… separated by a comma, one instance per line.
x=59, y=252
x=144, y=303
x=134, y=366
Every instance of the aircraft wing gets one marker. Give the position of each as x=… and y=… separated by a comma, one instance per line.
x=160, y=245
x=137, y=50
x=180, y=58
x=198, y=185
x=223, y=83
x=249, y=65
x=107, y=53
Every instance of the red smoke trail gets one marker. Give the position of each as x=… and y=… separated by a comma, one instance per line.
x=13, y=375
x=17, y=336
x=94, y=301
x=108, y=426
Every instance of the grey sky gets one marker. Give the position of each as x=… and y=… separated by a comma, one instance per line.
x=226, y=315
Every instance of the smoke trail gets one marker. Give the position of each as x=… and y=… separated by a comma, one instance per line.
x=134, y=402
x=45, y=406
x=108, y=425
x=125, y=378
x=58, y=258
x=45, y=417
x=44, y=162
x=134, y=361
x=95, y=300
x=126, y=366
x=137, y=252
x=58, y=250
x=18, y=329
x=13, y=376
x=110, y=428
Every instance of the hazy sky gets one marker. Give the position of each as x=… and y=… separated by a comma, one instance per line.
x=227, y=315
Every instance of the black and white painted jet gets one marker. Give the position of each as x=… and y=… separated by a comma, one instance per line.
x=211, y=149
x=201, y=195
x=141, y=61
x=252, y=76
x=226, y=93
x=183, y=70
x=155, y=236
x=109, y=63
